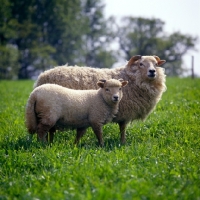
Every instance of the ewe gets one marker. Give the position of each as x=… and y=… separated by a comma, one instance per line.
x=52, y=107
x=145, y=88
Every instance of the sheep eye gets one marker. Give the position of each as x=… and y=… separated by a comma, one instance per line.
x=141, y=64
x=120, y=88
x=107, y=89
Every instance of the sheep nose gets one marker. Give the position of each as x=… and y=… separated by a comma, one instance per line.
x=152, y=71
x=115, y=98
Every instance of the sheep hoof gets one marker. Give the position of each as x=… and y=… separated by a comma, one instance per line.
x=123, y=142
x=101, y=144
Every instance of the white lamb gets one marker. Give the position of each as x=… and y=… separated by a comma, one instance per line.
x=52, y=107
x=146, y=85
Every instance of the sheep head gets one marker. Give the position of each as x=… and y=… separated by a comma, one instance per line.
x=145, y=65
x=112, y=89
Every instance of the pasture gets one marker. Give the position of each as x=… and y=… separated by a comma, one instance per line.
x=161, y=159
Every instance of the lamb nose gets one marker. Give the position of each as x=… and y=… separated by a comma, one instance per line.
x=116, y=98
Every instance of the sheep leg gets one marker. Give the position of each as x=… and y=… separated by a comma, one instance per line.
x=79, y=133
x=122, y=127
x=42, y=131
x=98, y=132
x=50, y=136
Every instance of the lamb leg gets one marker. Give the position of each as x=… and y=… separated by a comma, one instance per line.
x=42, y=131
x=50, y=136
x=98, y=132
x=122, y=127
x=79, y=133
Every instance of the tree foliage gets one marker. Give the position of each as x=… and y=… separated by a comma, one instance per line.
x=48, y=33
x=45, y=31
x=9, y=61
x=97, y=37
x=38, y=34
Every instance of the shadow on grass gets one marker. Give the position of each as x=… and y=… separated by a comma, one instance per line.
x=109, y=145
x=27, y=142
x=22, y=143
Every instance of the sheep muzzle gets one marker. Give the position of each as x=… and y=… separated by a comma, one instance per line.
x=152, y=73
x=115, y=98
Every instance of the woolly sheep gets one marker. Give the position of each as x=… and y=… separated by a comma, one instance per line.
x=146, y=85
x=52, y=106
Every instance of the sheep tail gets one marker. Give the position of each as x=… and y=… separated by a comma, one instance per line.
x=30, y=115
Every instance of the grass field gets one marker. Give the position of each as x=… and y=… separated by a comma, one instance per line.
x=161, y=159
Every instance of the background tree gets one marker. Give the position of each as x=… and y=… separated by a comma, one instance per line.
x=54, y=34
x=98, y=35
x=48, y=33
x=36, y=35
x=9, y=65
x=45, y=32
x=9, y=54
x=146, y=37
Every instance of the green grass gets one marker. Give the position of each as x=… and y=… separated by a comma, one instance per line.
x=161, y=159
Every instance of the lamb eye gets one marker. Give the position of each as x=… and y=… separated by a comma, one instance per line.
x=107, y=89
x=141, y=64
x=120, y=88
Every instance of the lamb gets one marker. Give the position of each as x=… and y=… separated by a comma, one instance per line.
x=146, y=85
x=52, y=107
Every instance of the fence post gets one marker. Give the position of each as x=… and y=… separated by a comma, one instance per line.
x=192, y=67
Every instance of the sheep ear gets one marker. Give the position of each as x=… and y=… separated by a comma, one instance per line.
x=100, y=84
x=160, y=62
x=133, y=59
x=124, y=83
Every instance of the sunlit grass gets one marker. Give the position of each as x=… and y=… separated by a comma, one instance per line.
x=159, y=161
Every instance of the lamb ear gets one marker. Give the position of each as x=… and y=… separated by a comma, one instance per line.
x=124, y=83
x=160, y=62
x=100, y=84
x=133, y=59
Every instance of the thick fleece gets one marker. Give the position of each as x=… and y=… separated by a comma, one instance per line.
x=145, y=88
x=52, y=106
